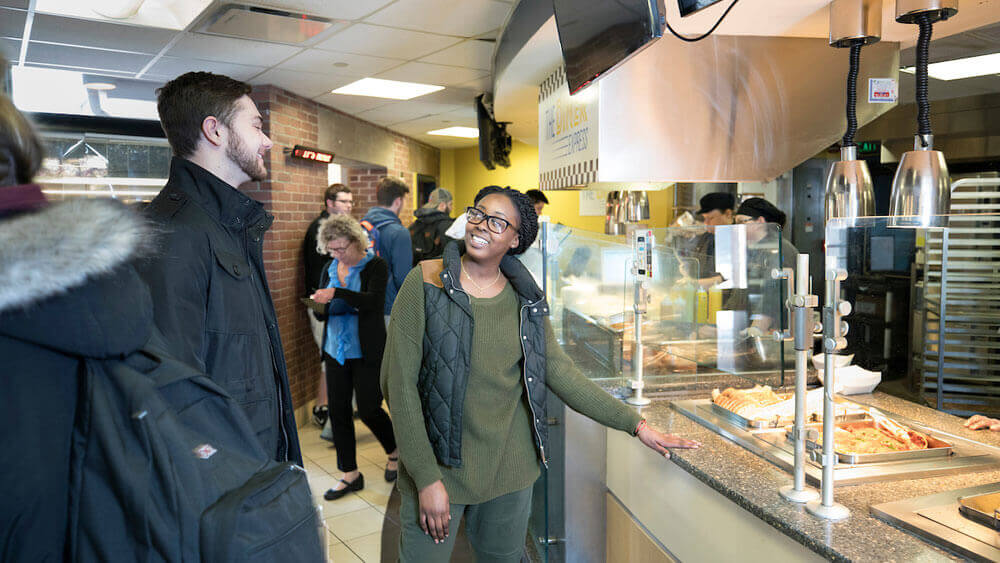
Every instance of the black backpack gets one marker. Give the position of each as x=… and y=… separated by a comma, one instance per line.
x=428, y=238
x=166, y=468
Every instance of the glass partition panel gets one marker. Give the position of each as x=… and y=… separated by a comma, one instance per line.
x=939, y=286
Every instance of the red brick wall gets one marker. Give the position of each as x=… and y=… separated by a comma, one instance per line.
x=293, y=192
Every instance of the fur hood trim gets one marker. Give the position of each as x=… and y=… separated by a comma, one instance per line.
x=61, y=246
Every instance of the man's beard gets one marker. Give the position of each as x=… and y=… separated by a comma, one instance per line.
x=245, y=159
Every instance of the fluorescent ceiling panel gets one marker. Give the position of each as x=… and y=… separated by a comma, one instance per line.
x=11, y=23
x=103, y=35
x=983, y=65
x=378, y=88
x=464, y=132
x=170, y=14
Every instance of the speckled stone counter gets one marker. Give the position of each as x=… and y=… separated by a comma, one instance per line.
x=752, y=483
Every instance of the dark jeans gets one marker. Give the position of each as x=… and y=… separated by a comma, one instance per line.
x=361, y=379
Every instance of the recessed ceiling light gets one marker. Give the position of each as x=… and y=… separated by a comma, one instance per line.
x=464, y=132
x=968, y=67
x=99, y=86
x=378, y=88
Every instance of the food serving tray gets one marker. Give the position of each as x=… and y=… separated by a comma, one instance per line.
x=778, y=421
x=984, y=509
x=935, y=447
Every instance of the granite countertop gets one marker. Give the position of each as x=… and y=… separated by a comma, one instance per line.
x=752, y=482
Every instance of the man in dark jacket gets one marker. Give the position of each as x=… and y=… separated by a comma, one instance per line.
x=210, y=293
x=393, y=238
x=428, y=231
x=337, y=199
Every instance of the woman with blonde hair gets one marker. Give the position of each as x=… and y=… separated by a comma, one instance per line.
x=353, y=291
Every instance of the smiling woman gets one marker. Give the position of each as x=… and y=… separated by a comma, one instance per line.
x=470, y=341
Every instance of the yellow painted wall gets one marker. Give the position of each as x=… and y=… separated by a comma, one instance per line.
x=465, y=175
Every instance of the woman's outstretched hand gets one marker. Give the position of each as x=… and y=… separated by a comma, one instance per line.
x=659, y=442
x=435, y=511
x=980, y=422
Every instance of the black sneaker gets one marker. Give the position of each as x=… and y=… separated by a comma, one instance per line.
x=320, y=414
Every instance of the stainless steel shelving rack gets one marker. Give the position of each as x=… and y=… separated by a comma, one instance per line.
x=961, y=317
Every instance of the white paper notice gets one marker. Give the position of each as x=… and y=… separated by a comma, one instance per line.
x=593, y=203
x=882, y=90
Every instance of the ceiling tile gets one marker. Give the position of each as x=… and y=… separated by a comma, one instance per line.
x=10, y=49
x=471, y=53
x=85, y=58
x=12, y=23
x=467, y=18
x=231, y=50
x=306, y=84
x=480, y=85
x=334, y=9
x=315, y=60
x=351, y=105
x=456, y=96
x=23, y=4
x=432, y=74
x=403, y=111
x=170, y=67
x=386, y=42
x=88, y=33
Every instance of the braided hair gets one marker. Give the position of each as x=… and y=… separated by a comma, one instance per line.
x=527, y=228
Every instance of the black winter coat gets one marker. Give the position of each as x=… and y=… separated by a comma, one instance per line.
x=77, y=299
x=211, y=299
x=313, y=261
x=369, y=302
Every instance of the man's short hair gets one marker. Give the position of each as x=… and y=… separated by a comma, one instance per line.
x=437, y=197
x=537, y=196
x=389, y=189
x=185, y=102
x=333, y=190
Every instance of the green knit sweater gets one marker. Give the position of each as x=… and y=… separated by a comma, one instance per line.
x=498, y=452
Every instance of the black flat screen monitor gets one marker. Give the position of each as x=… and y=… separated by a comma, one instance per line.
x=688, y=7
x=598, y=35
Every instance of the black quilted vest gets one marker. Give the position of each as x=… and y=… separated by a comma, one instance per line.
x=444, y=370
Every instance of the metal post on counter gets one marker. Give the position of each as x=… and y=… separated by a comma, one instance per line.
x=833, y=340
x=543, y=232
x=642, y=265
x=802, y=304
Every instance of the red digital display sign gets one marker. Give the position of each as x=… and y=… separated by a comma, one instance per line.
x=316, y=155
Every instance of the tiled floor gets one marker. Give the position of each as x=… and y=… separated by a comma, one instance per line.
x=353, y=522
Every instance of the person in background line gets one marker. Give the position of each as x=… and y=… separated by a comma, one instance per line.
x=469, y=359
x=353, y=290
x=428, y=231
x=538, y=199
x=393, y=239
x=338, y=199
x=210, y=295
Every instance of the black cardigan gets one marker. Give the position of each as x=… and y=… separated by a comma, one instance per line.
x=370, y=303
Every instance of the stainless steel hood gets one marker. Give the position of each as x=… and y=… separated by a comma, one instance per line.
x=729, y=109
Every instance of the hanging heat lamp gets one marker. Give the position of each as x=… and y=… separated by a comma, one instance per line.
x=849, y=192
x=921, y=188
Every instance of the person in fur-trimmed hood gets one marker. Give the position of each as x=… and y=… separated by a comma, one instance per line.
x=67, y=295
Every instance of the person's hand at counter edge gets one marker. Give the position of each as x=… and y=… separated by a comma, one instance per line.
x=979, y=422
x=659, y=442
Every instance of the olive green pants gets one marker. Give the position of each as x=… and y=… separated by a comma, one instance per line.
x=496, y=529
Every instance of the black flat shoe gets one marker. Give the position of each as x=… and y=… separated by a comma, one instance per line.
x=352, y=486
x=391, y=474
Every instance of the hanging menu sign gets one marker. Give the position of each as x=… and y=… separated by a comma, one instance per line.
x=567, y=134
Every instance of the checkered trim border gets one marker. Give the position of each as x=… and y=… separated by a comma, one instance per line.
x=554, y=81
x=578, y=174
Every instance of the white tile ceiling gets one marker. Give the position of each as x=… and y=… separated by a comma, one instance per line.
x=428, y=41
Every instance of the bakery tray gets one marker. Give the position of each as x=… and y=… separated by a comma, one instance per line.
x=983, y=509
x=935, y=447
x=779, y=422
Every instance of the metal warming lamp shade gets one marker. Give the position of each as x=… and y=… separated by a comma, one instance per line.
x=921, y=193
x=849, y=192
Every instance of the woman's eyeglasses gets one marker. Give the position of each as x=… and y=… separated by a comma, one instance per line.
x=496, y=224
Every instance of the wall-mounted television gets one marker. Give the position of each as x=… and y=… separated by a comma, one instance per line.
x=598, y=35
x=688, y=7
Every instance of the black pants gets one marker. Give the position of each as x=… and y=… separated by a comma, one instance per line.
x=361, y=379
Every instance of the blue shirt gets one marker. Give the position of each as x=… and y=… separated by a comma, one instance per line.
x=342, y=340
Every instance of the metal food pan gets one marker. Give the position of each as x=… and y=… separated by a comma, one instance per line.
x=777, y=422
x=984, y=509
x=935, y=447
